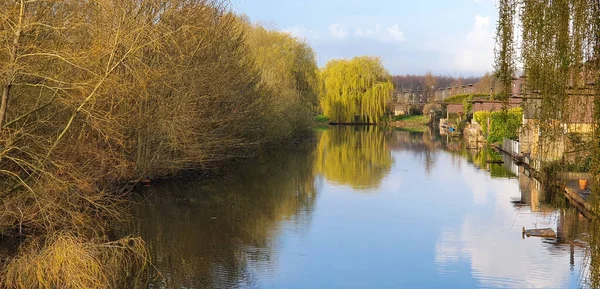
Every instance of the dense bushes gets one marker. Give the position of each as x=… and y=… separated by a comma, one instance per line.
x=415, y=109
x=502, y=124
x=289, y=72
x=104, y=92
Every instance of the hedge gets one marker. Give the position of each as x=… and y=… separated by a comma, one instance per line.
x=503, y=124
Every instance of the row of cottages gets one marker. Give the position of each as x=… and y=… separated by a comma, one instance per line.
x=439, y=95
x=561, y=137
x=481, y=104
x=443, y=93
x=409, y=96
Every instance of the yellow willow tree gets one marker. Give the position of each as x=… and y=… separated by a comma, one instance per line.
x=356, y=90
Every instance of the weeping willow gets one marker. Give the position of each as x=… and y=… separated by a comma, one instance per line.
x=560, y=52
x=356, y=90
x=355, y=156
x=505, y=54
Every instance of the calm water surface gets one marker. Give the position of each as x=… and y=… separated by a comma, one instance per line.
x=363, y=208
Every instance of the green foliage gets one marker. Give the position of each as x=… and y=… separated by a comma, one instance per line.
x=461, y=98
x=420, y=119
x=505, y=50
x=415, y=110
x=481, y=117
x=356, y=90
x=503, y=124
x=321, y=118
x=579, y=165
x=467, y=104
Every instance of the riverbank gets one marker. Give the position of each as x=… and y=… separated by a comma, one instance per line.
x=566, y=182
x=115, y=105
x=414, y=123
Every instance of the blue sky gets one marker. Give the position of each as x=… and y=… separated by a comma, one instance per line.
x=454, y=37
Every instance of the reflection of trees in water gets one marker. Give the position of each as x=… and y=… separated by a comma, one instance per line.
x=358, y=156
x=204, y=235
x=422, y=144
x=485, y=158
x=578, y=232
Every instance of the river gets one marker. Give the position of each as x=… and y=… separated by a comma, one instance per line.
x=364, y=208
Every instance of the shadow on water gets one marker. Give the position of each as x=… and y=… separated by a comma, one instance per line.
x=205, y=234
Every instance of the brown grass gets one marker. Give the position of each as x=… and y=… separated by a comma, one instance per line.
x=70, y=262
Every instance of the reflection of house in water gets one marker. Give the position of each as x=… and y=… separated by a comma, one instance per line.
x=532, y=194
x=572, y=226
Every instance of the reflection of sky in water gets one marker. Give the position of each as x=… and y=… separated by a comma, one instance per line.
x=452, y=228
x=489, y=239
x=432, y=220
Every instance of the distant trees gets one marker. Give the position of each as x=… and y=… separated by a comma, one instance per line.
x=356, y=90
x=430, y=86
x=411, y=82
x=488, y=84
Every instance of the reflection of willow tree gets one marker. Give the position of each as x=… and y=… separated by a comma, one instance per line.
x=192, y=250
x=357, y=156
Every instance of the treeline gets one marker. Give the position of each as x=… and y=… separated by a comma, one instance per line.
x=410, y=82
x=100, y=93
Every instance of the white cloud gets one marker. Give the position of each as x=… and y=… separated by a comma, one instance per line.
x=302, y=32
x=338, y=31
x=476, y=50
x=384, y=34
x=395, y=33
x=492, y=244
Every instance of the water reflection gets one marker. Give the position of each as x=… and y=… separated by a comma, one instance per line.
x=442, y=216
x=421, y=144
x=357, y=156
x=222, y=234
x=485, y=158
x=490, y=242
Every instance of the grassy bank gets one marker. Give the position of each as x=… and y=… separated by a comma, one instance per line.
x=415, y=123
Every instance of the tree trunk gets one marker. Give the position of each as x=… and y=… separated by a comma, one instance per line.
x=13, y=59
x=4, y=104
